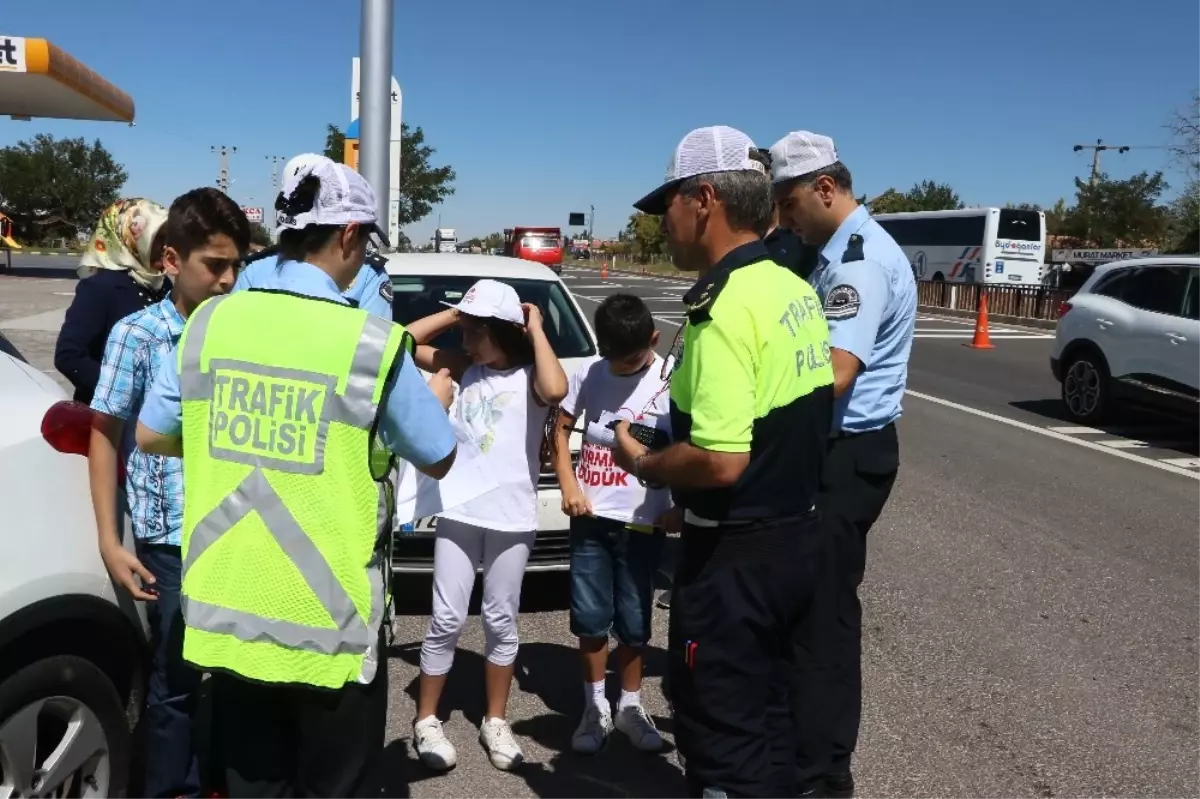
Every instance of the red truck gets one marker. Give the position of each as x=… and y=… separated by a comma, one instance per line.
x=541, y=244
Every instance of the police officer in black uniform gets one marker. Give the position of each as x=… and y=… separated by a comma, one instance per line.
x=870, y=300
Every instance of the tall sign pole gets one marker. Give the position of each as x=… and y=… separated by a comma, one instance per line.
x=375, y=104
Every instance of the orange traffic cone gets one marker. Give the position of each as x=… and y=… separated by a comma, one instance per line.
x=981, y=341
x=604, y=270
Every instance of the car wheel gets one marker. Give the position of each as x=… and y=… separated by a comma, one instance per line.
x=1085, y=387
x=62, y=731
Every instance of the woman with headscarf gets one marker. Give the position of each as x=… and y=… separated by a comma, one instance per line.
x=121, y=273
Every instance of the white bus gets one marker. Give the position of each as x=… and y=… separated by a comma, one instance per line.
x=974, y=245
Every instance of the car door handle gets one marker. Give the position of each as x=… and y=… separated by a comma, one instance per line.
x=1177, y=338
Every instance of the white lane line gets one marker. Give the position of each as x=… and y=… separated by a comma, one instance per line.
x=1042, y=431
x=662, y=319
x=601, y=286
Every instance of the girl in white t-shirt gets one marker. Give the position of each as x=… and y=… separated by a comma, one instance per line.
x=508, y=379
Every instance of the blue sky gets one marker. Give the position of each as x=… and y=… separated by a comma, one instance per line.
x=548, y=107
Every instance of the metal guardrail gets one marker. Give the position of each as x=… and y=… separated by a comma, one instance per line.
x=1032, y=301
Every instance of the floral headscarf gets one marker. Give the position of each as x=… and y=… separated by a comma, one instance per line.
x=122, y=241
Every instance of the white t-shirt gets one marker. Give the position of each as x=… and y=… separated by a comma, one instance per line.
x=642, y=397
x=502, y=416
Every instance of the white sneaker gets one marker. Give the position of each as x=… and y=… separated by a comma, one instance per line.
x=497, y=738
x=433, y=747
x=635, y=722
x=592, y=732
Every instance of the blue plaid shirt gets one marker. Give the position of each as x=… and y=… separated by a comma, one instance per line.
x=136, y=349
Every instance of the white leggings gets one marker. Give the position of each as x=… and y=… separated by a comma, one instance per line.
x=459, y=549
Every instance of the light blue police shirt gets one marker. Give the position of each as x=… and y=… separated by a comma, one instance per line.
x=871, y=306
x=413, y=423
x=371, y=289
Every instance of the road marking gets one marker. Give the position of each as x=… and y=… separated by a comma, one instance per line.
x=1187, y=463
x=1166, y=466
x=1132, y=443
x=968, y=334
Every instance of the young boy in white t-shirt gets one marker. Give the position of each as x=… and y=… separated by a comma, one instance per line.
x=616, y=536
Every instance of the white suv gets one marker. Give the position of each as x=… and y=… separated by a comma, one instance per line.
x=72, y=653
x=1131, y=334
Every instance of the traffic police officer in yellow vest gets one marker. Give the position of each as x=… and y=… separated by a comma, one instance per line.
x=751, y=406
x=289, y=403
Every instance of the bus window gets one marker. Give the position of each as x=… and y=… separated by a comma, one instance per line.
x=1019, y=224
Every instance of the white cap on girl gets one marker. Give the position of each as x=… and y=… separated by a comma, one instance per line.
x=491, y=298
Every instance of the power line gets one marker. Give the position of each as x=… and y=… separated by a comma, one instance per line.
x=1096, y=149
x=275, y=160
x=223, y=175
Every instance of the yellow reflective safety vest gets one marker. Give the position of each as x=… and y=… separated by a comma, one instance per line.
x=286, y=502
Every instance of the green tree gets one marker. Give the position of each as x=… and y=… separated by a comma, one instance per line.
x=259, y=235
x=53, y=188
x=645, y=235
x=335, y=144
x=930, y=196
x=1183, y=227
x=1185, y=136
x=924, y=196
x=1119, y=213
x=493, y=241
x=422, y=186
x=890, y=202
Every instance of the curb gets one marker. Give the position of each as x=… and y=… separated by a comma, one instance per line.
x=1004, y=319
x=42, y=252
x=585, y=265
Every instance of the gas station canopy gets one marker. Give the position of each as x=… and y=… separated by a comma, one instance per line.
x=37, y=79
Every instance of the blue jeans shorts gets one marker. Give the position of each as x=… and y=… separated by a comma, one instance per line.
x=612, y=579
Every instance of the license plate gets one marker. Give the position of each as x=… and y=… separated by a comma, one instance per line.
x=425, y=526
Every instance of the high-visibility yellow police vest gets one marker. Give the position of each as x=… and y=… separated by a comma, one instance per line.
x=284, y=574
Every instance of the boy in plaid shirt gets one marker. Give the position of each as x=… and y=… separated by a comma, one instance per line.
x=206, y=235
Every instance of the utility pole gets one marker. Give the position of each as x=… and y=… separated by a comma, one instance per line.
x=375, y=101
x=1096, y=148
x=592, y=225
x=223, y=175
x=275, y=160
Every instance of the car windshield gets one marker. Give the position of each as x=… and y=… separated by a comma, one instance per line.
x=417, y=296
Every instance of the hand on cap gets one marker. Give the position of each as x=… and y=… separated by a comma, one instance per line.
x=442, y=387
x=533, y=316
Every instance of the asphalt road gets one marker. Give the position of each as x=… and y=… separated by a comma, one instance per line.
x=1031, y=598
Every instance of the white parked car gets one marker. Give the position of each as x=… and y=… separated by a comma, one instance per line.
x=421, y=282
x=72, y=653
x=1131, y=335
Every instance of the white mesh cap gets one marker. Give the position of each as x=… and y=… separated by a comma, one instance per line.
x=291, y=168
x=491, y=299
x=800, y=153
x=344, y=197
x=704, y=150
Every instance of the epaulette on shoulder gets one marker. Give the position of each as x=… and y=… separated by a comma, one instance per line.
x=854, y=249
x=700, y=311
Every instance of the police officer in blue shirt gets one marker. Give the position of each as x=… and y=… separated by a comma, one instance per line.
x=371, y=289
x=869, y=296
